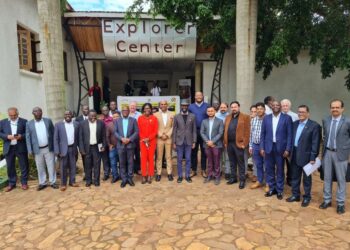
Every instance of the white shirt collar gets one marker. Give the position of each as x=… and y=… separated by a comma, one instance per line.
x=199, y=104
x=337, y=119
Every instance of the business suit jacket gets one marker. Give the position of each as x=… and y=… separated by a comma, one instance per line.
x=217, y=132
x=132, y=133
x=32, y=139
x=308, y=144
x=184, y=132
x=168, y=128
x=5, y=130
x=283, y=134
x=84, y=135
x=80, y=118
x=242, y=131
x=342, y=137
x=60, y=139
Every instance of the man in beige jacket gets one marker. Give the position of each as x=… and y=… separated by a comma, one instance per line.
x=165, y=129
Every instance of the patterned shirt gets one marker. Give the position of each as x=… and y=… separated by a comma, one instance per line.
x=255, y=130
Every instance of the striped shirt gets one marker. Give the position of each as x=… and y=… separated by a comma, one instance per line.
x=255, y=131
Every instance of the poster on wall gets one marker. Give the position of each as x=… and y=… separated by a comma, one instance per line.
x=185, y=89
x=173, y=102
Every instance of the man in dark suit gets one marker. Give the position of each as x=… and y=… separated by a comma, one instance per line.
x=84, y=116
x=92, y=142
x=306, y=140
x=127, y=132
x=184, y=139
x=12, y=132
x=336, y=154
x=275, y=145
x=66, y=138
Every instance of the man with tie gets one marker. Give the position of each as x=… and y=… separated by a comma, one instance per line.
x=275, y=145
x=165, y=130
x=66, y=138
x=127, y=133
x=336, y=152
x=12, y=132
x=84, y=116
x=212, y=130
x=39, y=138
x=306, y=145
x=112, y=145
x=92, y=143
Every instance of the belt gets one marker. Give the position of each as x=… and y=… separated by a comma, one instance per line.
x=92, y=145
x=333, y=150
x=44, y=147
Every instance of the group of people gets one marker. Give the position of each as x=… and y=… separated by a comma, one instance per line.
x=129, y=142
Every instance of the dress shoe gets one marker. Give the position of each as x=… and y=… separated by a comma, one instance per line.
x=267, y=189
x=289, y=183
x=256, y=185
x=25, y=187
x=123, y=184
x=188, y=179
x=41, y=187
x=9, y=188
x=88, y=185
x=193, y=173
x=131, y=182
x=280, y=196
x=144, y=180
x=217, y=181
x=54, y=186
x=231, y=181
x=325, y=205
x=270, y=193
x=179, y=179
x=149, y=179
x=170, y=177
x=206, y=180
x=227, y=177
x=241, y=184
x=158, y=177
x=74, y=185
x=305, y=203
x=97, y=184
x=204, y=174
x=340, y=209
x=63, y=188
x=293, y=199
x=105, y=177
x=114, y=180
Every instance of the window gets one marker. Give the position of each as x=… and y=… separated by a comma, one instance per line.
x=28, y=50
x=65, y=66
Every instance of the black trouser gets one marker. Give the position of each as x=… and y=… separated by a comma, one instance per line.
x=297, y=172
x=11, y=166
x=194, y=154
x=93, y=165
x=137, y=158
x=236, y=156
x=68, y=162
x=106, y=163
x=126, y=163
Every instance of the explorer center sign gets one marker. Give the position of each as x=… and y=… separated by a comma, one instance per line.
x=148, y=40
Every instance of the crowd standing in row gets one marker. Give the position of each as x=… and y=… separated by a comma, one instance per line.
x=127, y=141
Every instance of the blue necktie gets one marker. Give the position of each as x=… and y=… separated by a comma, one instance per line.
x=332, y=136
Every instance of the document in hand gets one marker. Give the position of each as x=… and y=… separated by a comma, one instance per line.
x=310, y=168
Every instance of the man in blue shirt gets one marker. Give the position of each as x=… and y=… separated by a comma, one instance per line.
x=199, y=109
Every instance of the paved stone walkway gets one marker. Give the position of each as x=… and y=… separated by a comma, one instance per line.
x=167, y=215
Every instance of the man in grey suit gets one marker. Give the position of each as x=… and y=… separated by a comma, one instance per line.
x=212, y=130
x=336, y=152
x=127, y=132
x=65, y=146
x=39, y=139
x=184, y=139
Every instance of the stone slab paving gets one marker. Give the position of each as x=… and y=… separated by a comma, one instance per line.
x=167, y=215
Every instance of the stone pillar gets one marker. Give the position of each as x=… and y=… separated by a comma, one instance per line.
x=198, y=77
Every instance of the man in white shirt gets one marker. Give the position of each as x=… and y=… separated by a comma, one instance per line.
x=39, y=138
x=155, y=91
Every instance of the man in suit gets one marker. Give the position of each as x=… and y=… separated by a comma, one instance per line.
x=236, y=140
x=92, y=143
x=184, y=139
x=336, y=152
x=39, y=138
x=112, y=145
x=212, y=130
x=66, y=138
x=126, y=132
x=84, y=116
x=12, y=132
x=275, y=145
x=165, y=130
x=135, y=114
x=306, y=145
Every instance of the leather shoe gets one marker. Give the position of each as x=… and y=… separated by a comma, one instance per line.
x=88, y=185
x=158, y=177
x=305, y=203
x=231, y=181
x=123, y=184
x=241, y=184
x=25, y=187
x=179, y=179
x=105, y=177
x=293, y=199
x=170, y=177
x=63, y=188
x=9, y=188
x=193, y=173
x=41, y=187
x=204, y=174
x=340, y=209
x=149, y=179
x=188, y=179
x=54, y=186
x=97, y=184
x=114, y=180
x=144, y=180
x=227, y=177
x=270, y=193
x=74, y=185
x=325, y=205
x=280, y=196
x=131, y=182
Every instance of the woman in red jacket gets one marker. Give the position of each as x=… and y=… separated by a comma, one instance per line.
x=148, y=129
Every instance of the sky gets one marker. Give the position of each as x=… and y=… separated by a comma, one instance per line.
x=100, y=5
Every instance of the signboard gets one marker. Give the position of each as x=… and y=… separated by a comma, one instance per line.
x=148, y=40
x=173, y=102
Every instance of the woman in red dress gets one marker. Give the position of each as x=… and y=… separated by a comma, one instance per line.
x=148, y=129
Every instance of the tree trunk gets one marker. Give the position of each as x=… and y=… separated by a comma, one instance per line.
x=51, y=46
